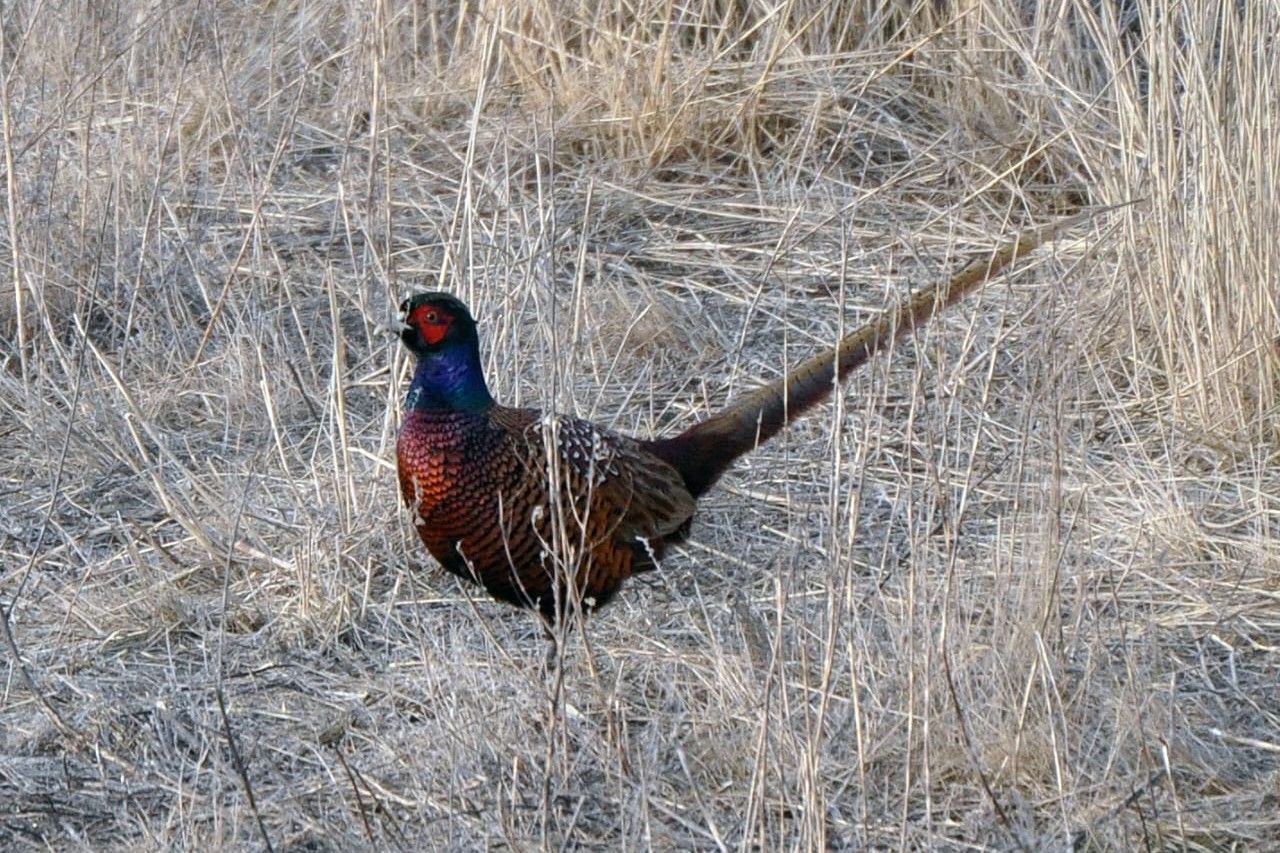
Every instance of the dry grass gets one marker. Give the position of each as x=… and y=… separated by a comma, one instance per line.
x=1018, y=588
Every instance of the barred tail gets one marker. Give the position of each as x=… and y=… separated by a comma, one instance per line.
x=706, y=450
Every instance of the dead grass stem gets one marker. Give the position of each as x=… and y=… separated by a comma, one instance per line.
x=1015, y=588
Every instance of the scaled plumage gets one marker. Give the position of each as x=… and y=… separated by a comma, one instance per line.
x=554, y=512
x=516, y=501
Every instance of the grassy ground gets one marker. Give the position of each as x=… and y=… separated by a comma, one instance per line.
x=1018, y=588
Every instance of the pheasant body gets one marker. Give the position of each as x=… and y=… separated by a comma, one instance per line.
x=555, y=512
x=542, y=511
x=481, y=488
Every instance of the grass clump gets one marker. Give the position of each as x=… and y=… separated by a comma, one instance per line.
x=1015, y=587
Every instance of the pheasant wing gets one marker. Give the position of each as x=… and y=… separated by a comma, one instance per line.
x=615, y=487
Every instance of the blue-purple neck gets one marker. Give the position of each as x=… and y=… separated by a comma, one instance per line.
x=449, y=380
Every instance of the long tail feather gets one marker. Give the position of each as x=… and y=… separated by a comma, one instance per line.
x=706, y=450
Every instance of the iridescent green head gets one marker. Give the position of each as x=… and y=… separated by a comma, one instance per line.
x=440, y=332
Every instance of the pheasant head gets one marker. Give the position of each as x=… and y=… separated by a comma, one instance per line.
x=440, y=332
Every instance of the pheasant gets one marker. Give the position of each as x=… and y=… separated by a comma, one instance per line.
x=554, y=512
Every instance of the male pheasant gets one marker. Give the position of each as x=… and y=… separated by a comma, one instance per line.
x=555, y=512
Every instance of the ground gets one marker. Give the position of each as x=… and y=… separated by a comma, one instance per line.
x=1016, y=587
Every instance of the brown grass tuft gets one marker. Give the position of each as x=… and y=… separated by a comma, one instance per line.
x=1015, y=588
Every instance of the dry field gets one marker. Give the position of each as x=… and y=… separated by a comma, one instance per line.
x=1017, y=588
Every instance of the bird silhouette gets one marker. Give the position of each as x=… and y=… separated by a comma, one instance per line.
x=555, y=512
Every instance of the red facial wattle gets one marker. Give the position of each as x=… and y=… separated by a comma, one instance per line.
x=432, y=323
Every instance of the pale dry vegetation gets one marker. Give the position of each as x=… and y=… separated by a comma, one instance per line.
x=1018, y=588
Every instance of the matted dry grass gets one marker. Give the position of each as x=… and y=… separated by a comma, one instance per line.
x=1017, y=588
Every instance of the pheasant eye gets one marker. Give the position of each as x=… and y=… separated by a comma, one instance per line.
x=432, y=323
